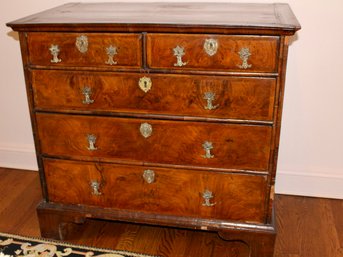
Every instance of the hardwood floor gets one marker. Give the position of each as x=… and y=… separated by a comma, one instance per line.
x=307, y=227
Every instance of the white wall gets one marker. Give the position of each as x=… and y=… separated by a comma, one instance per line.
x=310, y=159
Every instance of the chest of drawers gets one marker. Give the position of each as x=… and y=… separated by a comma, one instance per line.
x=158, y=113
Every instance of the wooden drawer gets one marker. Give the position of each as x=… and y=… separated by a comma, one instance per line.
x=233, y=97
x=126, y=49
x=233, y=53
x=170, y=142
x=173, y=192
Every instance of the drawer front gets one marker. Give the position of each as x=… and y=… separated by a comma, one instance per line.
x=157, y=190
x=204, y=96
x=169, y=142
x=90, y=49
x=212, y=52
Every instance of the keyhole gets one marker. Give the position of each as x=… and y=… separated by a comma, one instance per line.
x=145, y=84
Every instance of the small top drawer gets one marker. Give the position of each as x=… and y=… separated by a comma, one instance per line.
x=212, y=52
x=90, y=49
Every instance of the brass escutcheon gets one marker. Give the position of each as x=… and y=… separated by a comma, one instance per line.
x=149, y=176
x=145, y=129
x=82, y=43
x=145, y=84
x=211, y=46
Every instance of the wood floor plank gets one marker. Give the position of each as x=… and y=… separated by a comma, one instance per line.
x=289, y=219
x=333, y=238
x=20, y=196
x=10, y=189
x=337, y=213
x=307, y=227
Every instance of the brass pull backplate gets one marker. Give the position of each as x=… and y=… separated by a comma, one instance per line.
x=87, y=92
x=111, y=51
x=210, y=97
x=95, y=187
x=178, y=53
x=207, y=196
x=208, y=146
x=55, y=50
x=244, y=54
x=91, y=142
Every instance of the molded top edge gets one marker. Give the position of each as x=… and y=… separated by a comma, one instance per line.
x=277, y=16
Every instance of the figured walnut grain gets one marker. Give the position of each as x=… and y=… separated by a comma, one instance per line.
x=176, y=192
x=235, y=97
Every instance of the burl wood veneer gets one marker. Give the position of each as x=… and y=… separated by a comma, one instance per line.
x=158, y=113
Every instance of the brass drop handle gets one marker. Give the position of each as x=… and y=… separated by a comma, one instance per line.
x=87, y=92
x=149, y=176
x=207, y=196
x=244, y=54
x=208, y=146
x=111, y=51
x=178, y=53
x=210, y=97
x=91, y=142
x=55, y=50
x=95, y=187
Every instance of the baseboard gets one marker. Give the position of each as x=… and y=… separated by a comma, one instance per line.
x=328, y=185
x=18, y=157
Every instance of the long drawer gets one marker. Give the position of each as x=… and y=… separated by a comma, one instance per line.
x=213, y=52
x=202, y=144
x=90, y=49
x=157, y=190
x=204, y=96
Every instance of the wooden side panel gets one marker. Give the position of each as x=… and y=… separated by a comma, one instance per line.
x=175, y=192
x=234, y=97
x=262, y=55
x=128, y=49
x=170, y=142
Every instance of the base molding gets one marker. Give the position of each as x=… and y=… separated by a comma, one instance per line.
x=93, y=212
x=18, y=157
x=56, y=219
x=326, y=185
x=260, y=244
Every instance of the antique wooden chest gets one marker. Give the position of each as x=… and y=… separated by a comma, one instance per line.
x=158, y=113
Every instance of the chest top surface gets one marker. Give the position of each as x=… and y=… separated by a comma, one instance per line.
x=109, y=16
